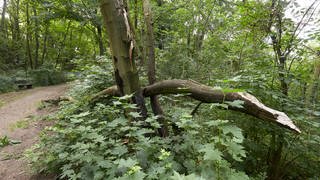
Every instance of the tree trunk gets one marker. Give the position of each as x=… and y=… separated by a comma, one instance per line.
x=136, y=15
x=102, y=50
x=16, y=32
x=62, y=45
x=155, y=105
x=275, y=169
x=3, y=17
x=314, y=86
x=29, y=54
x=36, y=34
x=122, y=46
x=45, y=39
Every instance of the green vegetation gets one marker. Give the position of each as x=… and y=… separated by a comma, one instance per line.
x=22, y=124
x=5, y=141
x=183, y=72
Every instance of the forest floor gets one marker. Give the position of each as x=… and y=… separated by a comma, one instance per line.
x=20, y=121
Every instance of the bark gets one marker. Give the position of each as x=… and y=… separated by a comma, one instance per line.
x=16, y=32
x=122, y=45
x=120, y=33
x=314, y=87
x=45, y=39
x=251, y=105
x=155, y=105
x=3, y=17
x=275, y=168
x=28, y=36
x=62, y=45
x=102, y=50
x=136, y=14
x=36, y=34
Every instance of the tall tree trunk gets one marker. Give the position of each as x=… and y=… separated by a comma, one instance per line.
x=45, y=39
x=62, y=44
x=155, y=105
x=314, y=86
x=275, y=169
x=136, y=15
x=36, y=34
x=3, y=17
x=28, y=37
x=16, y=32
x=122, y=46
x=282, y=76
x=102, y=49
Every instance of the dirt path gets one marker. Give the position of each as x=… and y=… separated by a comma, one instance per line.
x=19, y=120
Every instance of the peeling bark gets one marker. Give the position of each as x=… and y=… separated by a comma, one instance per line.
x=122, y=46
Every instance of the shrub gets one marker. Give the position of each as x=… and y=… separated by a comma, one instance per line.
x=45, y=76
x=6, y=84
x=103, y=141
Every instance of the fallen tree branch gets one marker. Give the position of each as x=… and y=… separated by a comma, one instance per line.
x=56, y=101
x=251, y=105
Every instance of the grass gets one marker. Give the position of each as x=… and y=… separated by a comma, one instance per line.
x=22, y=124
x=5, y=141
x=8, y=156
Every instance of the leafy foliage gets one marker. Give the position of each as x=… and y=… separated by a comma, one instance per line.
x=99, y=141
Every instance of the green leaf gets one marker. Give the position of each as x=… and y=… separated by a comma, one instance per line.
x=125, y=97
x=236, y=150
x=120, y=150
x=177, y=176
x=210, y=153
x=236, y=103
x=135, y=114
x=118, y=121
x=117, y=103
x=215, y=122
x=219, y=105
x=82, y=114
x=126, y=163
x=235, y=131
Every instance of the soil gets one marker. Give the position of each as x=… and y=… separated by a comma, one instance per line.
x=20, y=120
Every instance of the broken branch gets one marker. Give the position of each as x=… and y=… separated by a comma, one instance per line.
x=251, y=105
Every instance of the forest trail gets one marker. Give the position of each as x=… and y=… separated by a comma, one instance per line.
x=19, y=121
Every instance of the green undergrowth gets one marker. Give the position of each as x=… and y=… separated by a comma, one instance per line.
x=6, y=141
x=103, y=141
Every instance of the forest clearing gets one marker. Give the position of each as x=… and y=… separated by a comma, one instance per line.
x=160, y=89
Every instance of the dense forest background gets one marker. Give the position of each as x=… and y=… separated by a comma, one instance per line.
x=269, y=48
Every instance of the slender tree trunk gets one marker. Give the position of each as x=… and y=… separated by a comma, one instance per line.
x=62, y=45
x=275, y=168
x=28, y=37
x=314, y=86
x=45, y=39
x=16, y=32
x=36, y=34
x=122, y=46
x=3, y=17
x=136, y=15
x=102, y=49
x=282, y=76
x=157, y=110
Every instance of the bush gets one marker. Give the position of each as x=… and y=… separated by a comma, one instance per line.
x=101, y=141
x=45, y=76
x=6, y=84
